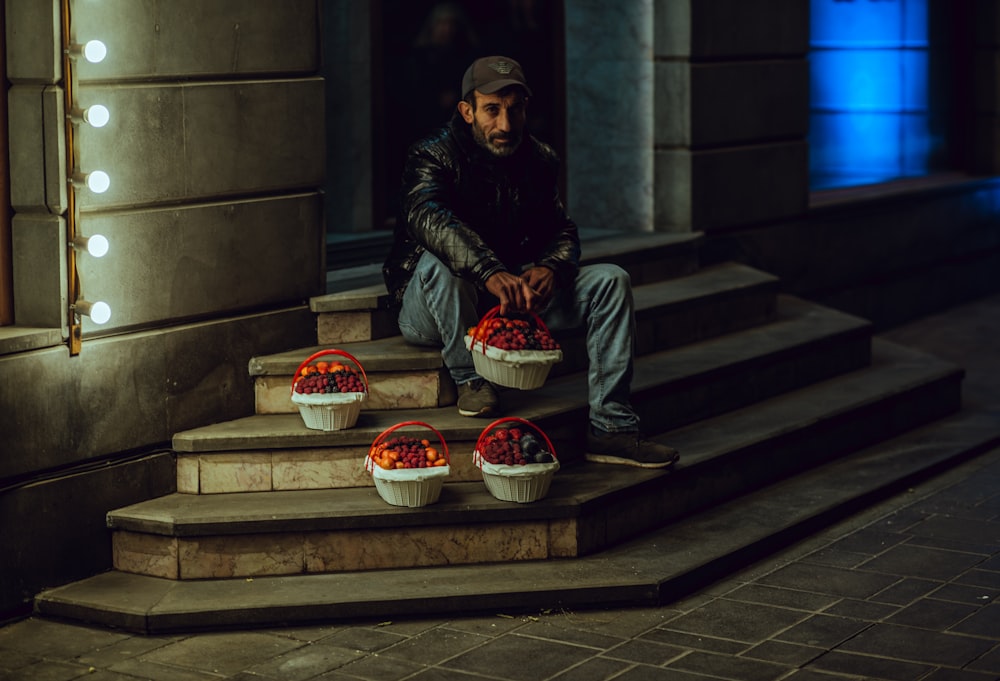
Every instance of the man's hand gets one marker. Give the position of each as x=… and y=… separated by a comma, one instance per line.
x=514, y=293
x=542, y=280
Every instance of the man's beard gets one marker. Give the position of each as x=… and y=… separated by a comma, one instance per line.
x=501, y=150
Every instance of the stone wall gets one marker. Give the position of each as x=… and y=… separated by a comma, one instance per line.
x=216, y=152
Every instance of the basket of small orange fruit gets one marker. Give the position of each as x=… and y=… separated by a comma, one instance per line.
x=517, y=460
x=330, y=394
x=515, y=351
x=408, y=464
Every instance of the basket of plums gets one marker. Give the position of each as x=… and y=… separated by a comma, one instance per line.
x=517, y=460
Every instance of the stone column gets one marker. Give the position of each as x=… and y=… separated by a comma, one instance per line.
x=609, y=107
x=731, y=112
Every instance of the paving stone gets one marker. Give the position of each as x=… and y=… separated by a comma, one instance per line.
x=644, y=651
x=219, y=653
x=429, y=674
x=11, y=659
x=964, y=593
x=985, y=622
x=596, y=669
x=724, y=666
x=870, y=666
x=646, y=673
x=680, y=639
x=905, y=591
x=810, y=675
x=828, y=580
x=504, y=657
x=557, y=632
x=926, y=563
x=155, y=671
x=45, y=638
x=737, y=621
x=869, y=541
x=46, y=670
x=861, y=610
x=615, y=623
x=963, y=529
x=991, y=564
x=305, y=663
x=378, y=668
x=983, y=578
x=823, y=630
x=785, y=598
x=433, y=646
x=958, y=675
x=488, y=626
x=990, y=662
x=363, y=638
x=845, y=559
x=793, y=654
x=981, y=549
x=907, y=643
x=928, y=613
x=128, y=648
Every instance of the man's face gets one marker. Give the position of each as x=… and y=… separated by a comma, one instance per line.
x=498, y=121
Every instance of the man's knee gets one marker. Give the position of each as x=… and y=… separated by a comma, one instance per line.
x=606, y=276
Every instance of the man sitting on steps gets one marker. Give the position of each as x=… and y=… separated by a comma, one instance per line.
x=480, y=212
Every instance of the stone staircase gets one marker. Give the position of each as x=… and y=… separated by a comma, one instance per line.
x=786, y=414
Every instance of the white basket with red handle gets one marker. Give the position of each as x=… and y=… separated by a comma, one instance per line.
x=512, y=368
x=330, y=394
x=509, y=452
x=409, y=469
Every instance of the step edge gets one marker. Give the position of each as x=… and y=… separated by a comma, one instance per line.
x=156, y=616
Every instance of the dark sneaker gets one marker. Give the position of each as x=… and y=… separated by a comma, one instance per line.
x=478, y=398
x=628, y=449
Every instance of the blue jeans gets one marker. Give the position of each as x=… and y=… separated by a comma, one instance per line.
x=438, y=309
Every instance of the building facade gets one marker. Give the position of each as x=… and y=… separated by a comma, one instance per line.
x=244, y=138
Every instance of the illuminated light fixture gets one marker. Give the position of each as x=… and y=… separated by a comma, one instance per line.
x=93, y=51
x=96, y=181
x=96, y=245
x=96, y=115
x=99, y=312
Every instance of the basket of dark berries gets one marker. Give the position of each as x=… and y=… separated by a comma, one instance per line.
x=516, y=351
x=329, y=393
x=409, y=466
x=517, y=460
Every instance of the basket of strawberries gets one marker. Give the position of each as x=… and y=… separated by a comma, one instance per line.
x=409, y=468
x=513, y=351
x=329, y=394
x=517, y=460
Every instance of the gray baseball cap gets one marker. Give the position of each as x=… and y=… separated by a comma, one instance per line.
x=490, y=74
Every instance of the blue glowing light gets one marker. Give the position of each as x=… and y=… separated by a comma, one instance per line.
x=869, y=71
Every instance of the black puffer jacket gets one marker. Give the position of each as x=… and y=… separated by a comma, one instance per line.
x=478, y=213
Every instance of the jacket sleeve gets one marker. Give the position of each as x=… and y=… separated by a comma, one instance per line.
x=562, y=253
x=428, y=208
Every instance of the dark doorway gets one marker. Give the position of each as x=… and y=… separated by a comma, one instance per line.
x=426, y=47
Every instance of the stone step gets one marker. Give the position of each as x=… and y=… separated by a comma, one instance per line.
x=589, y=507
x=805, y=343
x=663, y=566
x=717, y=300
x=365, y=313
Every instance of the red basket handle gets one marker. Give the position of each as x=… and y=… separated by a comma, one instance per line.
x=512, y=419
x=493, y=313
x=321, y=353
x=370, y=463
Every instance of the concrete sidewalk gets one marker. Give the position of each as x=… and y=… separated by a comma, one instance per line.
x=906, y=590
